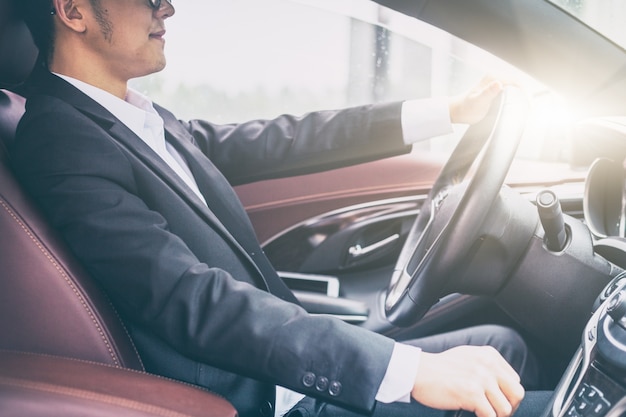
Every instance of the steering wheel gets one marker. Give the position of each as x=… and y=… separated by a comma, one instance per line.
x=455, y=211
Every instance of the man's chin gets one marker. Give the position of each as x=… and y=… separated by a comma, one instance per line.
x=160, y=67
x=157, y=67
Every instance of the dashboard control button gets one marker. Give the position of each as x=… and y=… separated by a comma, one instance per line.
x=600, y=408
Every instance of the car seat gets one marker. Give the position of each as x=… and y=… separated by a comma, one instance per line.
x=47, y=303
x=63, y=349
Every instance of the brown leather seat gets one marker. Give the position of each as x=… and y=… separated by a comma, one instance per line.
x=47, y=303
x=50, y=308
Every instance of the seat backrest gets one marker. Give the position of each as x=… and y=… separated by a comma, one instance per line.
x=48, y=304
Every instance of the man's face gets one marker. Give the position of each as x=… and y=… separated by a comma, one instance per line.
x=129, y=36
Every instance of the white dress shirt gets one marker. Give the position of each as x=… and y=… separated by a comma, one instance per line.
x=138, y=114
x=421, y=119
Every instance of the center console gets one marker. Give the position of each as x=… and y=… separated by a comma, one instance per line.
x=594, y=384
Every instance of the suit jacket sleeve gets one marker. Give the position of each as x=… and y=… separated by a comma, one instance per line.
x=290, y=145
x=95, y=194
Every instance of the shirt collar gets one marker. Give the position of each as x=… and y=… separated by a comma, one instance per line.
x=133, y=112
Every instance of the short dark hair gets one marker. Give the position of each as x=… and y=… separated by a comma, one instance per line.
x=38, y=16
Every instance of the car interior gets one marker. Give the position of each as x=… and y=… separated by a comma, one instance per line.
x=65, y=351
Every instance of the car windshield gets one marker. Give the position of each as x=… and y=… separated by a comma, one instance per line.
x=605, y=16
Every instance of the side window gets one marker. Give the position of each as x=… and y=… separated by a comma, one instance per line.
x=236, y=60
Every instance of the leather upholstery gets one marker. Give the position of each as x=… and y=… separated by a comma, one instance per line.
x=42, y=386
x=47, y=303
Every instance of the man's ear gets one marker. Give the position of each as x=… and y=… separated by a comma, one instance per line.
x=70, y=14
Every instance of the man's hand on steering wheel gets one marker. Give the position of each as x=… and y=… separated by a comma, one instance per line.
x=472, y=106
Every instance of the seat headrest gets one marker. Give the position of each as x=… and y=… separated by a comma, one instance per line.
x=18, y=52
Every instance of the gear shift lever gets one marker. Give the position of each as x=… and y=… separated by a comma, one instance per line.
x=552, y=221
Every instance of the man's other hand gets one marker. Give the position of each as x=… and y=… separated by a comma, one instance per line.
x=471, y=378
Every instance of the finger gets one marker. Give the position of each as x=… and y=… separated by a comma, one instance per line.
x=482, y=407
x=504, y=391
x=514, y=393
x=488, y=91
x=494, y=87
x=498, y=400
x=503, y=369
x=509, y=384
x=486, y=80
x=487, y=84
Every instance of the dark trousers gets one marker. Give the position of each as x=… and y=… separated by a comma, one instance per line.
x=506, y=341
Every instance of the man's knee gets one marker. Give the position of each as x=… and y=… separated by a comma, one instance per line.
x=501, y=337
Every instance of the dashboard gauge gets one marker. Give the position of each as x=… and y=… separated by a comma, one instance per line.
x=603, y=203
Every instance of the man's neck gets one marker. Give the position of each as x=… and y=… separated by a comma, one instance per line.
x=109, y=84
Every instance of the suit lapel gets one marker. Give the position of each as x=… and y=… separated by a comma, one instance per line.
x=215, y=214
x=143, y=152
x=219, y=195
x=223, y=201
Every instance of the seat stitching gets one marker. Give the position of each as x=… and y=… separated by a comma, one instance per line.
x=134, y=371
x=130, y=339
x=63, y=274
x=89, y=395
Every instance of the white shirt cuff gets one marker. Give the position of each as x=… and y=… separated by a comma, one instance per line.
x=400, y=376
x=425, y=118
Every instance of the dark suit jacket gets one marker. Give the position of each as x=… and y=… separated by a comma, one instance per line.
x=191, y=281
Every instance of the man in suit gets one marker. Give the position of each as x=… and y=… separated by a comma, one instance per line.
x=145, y=202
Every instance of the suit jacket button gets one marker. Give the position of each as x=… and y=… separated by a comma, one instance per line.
x=321, y=384
x=335, y=388
x=266, y=409
x=308, y=380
